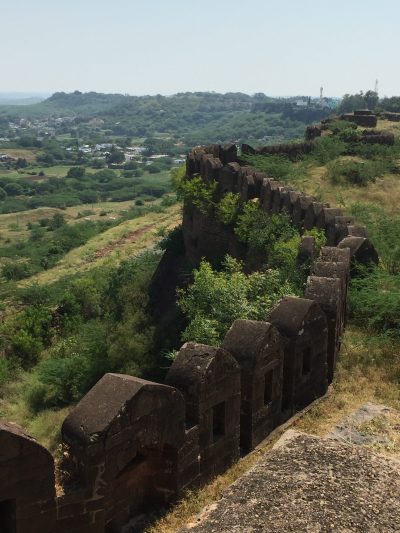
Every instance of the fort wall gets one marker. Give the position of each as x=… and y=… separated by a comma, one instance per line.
x=131, y=443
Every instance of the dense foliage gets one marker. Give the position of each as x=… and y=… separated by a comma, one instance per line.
x=99, y=324
x=79, y=187
x=375, y=292
x=216, y=298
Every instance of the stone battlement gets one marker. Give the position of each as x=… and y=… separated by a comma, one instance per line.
x=131, y=443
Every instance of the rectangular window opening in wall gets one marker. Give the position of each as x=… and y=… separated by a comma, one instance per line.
x=306, y=363
x=268, y=385
x=218, y=421
x=8, y=516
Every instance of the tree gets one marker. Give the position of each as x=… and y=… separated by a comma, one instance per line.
x=88, y=196
x=21, y=163
x=13, y=189
x=371, y=99
x=48, y=159
x=115, y=156
x=76, y=172
x=58, y=221
x=352, y=102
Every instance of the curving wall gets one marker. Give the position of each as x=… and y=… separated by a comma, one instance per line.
x=131, y=443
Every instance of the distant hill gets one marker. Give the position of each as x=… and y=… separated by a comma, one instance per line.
x=197, y=117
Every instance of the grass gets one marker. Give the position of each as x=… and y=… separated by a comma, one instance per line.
x=313, y=179
x=117, y=243
x=13, y=226
x=357, y=381
x=44, y=426
x=23, y=153
x=54, y=171
x=384, y=192
x=369, y=371
x=385, y=428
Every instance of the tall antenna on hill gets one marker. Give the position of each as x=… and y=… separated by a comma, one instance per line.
x=321, y=93
x=376, y=86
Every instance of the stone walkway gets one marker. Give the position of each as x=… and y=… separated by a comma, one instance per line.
x=310, y=484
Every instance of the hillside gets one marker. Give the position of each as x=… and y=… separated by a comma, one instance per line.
x=192, y=117
x=104, y=303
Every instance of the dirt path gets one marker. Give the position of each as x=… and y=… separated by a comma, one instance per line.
x=112, y=246
x=129, y=238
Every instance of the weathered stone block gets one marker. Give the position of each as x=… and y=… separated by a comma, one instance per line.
x=258, y=348
x=304, y=326
x=327, y=292
x=361, y=250
x=209, y=379
x=28, y=496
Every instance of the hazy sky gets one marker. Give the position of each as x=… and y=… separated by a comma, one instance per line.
x=282, y=47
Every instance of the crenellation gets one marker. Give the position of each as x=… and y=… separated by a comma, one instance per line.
x=258, y=349
x=130, y=442
x=306, y=253
x=304, y=326
x=312, y=213
x=326, y=217
x=327, y=292
x=357, y=230
x=300, y=208
x=337, y=229
x=209, y=379
x=361, y=249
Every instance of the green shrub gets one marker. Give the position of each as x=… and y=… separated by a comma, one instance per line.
x=13, y=189
x=215, y=299
x=177, y=175
x=278, y=167
x=16, y=271
x=319, y=238
x=35, y=294
x=76, y=172
x=341, y=125
x=169, y=200
x=198, y=193
x=228, y=208
x=59, y=382
x=384, y=232
x=260, y=230
x=354, y=172
x=375, y=301
x=327, y=148
x=72, y=367
x=7, y=371
x=26, y=347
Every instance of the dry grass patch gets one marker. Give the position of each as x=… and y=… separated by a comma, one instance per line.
x=85, y=257
x=13, y=226
x=386, y=430
x=384, y=192
x=23, y=153
x=389, y=127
